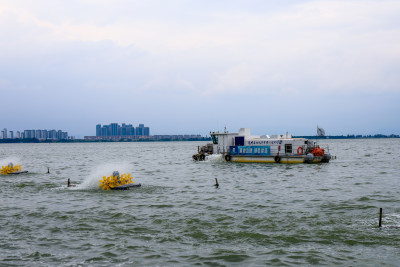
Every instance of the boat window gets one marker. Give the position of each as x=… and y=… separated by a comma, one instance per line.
x=214, y=139
x=288, y=148
x=239, y=141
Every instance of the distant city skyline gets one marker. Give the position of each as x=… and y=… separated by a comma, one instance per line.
x=191, y=67
x=125, y=130
x=30, y=134
x=114, y=129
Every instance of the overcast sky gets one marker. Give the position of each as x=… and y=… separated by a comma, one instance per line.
x=183, y=67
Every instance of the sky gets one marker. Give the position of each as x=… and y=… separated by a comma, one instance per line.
x=191, y=67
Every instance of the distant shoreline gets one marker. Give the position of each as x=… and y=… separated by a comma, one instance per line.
x=35, y=140
x=376, y=136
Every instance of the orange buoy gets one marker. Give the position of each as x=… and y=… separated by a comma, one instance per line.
x=300, y=150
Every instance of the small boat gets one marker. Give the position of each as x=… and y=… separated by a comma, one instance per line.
x=243, y=147
x=12, y=169
x=117, y=182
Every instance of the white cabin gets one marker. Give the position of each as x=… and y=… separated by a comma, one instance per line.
x=223, y=143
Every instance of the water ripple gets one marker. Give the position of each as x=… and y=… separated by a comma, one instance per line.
x=261, y=214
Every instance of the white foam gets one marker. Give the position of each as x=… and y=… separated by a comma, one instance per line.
x=215, y=158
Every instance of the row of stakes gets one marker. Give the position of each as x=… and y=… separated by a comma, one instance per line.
x=68, y=182
x=380, y=209
x=217, y=185
x=72, y=185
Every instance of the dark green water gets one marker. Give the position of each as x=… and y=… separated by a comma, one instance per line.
x=262, y=214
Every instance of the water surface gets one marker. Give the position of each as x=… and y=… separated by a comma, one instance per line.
x=261, y=214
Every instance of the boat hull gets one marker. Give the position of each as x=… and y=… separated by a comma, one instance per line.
x=275, y=159
x=126, y=186
x=16, y=173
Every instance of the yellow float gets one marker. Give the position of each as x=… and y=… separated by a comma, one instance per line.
x=117, y=182
x=11, y=169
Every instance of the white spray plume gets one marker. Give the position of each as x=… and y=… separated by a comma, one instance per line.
x=92, y=181
x=13, y=160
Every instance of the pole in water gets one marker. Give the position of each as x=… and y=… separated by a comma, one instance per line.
x=380, y=217
x=216, y=182
x=48, y=170
x=198, y=149
x=69, y=183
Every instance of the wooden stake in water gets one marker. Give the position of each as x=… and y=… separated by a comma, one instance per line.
x=380, y=217
x=48, y=170
x=216, y=182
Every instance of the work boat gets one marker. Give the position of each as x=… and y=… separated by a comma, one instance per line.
x=242, y=147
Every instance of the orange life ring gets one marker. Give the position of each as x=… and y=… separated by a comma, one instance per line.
x=300, y=150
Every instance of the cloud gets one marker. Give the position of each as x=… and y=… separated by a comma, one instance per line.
x=154, y=52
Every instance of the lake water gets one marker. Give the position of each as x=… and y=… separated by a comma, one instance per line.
x=261, y=214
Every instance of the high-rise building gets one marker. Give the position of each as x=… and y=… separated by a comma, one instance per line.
x=140, y=130
x=45, y=134
x=104, y=131
x=130, y=130
x=52, y=134
x=29, y=133
x=5, y=133
x=59, y=134
x=114, y=129
x=98, y=130
x=123, y=129
x=11, y=135
x=146, y=131
x=39, y=134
